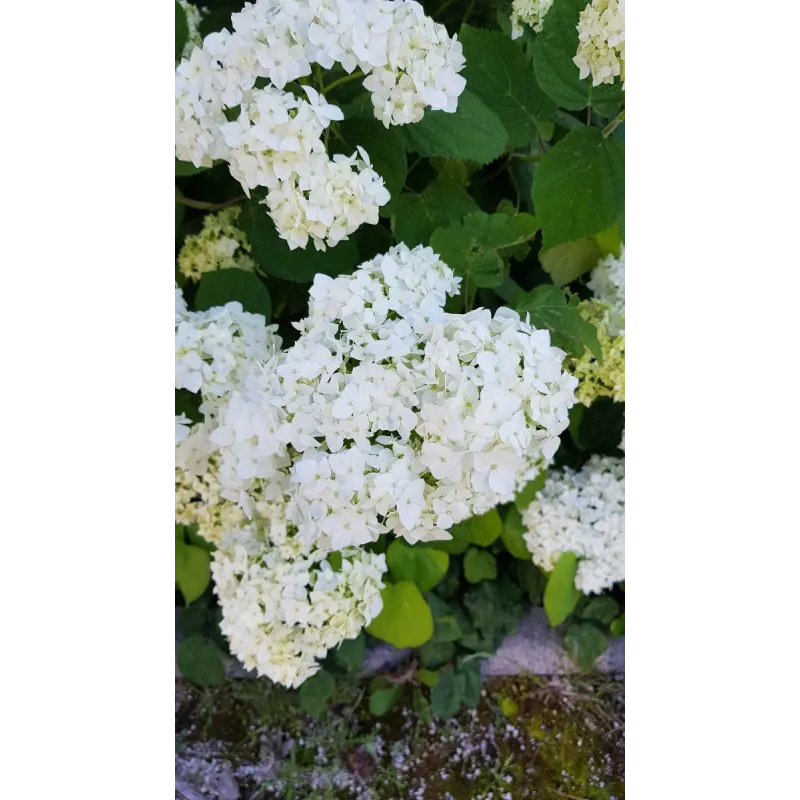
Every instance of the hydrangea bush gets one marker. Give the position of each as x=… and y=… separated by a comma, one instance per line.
x=399, y=336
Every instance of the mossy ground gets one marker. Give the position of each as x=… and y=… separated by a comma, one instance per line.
x=529, y=738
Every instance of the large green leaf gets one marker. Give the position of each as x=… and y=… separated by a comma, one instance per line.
x=556, y=73
x=485, y=528
x=560, y=594
x=433, y=655
x=418, y=215
x=603, y=609
x=479, y=565
x=529, y=491
x=273, y=256
x=497, y=72
x=225, y=285
x=315, y=693
x=199, y=661
x=549, y=309
x=585, y=643
x=421, y=565
x=382, y=700
x=384, y=148
x=350, y=653
x=579, y=186
x=184, y=169
x=192, y=570
x=406, y=619
x=462, y=538
x=566, y=262
x=513, y=535
x=472, y=133
x=477, y=248
x=446, y=695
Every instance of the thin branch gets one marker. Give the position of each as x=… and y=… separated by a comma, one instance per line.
x=202, y=205
x=467, y=13
x=443, y=7
x=614, y=124
x=345, y=79
x=524, y=157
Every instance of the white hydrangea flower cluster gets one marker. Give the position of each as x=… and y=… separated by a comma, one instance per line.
x=215, y=350
x=601, y=42
x=389, y=414
x=194, y=15
x=275, y=141
x=581, y=512
x=607, y=283
x=528, y=12
x=284, y=603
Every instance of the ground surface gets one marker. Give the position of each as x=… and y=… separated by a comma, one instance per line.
x=530, y=737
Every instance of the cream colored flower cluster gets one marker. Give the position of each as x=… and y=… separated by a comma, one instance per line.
x=581, y=512
x=601, y=42
x=604, y=378
x=528, y=12
x=221, y=244
x=284, y=603
x=607, y=283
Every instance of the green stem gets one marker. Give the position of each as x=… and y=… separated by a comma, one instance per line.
x=443, y=7
x=339, y=81
x=614, y=124
x=510, y=291
x=468, y=12
x=523, y=157
x=202, y=205
x=320, y=82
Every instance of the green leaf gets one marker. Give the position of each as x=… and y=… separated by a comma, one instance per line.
x=495, y=608
x=382, y=700
x=531, y=580
x=224, y=285
x=609, y=241
x=446, y=695
x=599, y=427
x=406, y=619
x=556, y=73
x=472, y=132
x=485, y=528
x=479, y=565
x=315, y=693
x=188, y=403
x=433, y=655
x=446, y=627
x=418, y=215
x=428, y=677
x=475, y=248
x=422, y=565
x=199, y=661
x=579, y=187
x=181, y=31
x=603, y=609
x=514, y=535
x=192, y=570
x=422, y=708
x=525, y=497
x=469, y=673
x=384, y=148
x=498, y=74
x=566, y=262
x=585, y=643
x=560, y=594
x=350, y=653
x=462, y=538
x=185, y=168
x=273, y=256
x=618, y=626
x=549, y=309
